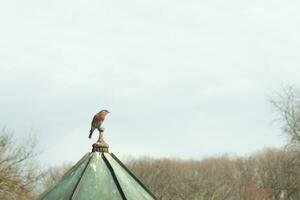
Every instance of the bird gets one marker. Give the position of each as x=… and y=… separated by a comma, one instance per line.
x=97, y=121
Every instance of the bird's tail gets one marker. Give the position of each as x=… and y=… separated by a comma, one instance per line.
x=91, y=133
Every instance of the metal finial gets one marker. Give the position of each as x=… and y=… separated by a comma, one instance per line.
x=100, y=145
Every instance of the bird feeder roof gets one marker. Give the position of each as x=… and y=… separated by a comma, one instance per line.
x=101, y=176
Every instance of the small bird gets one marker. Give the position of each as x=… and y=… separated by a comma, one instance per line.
x=97, y=121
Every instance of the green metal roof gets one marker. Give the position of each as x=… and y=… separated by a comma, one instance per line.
x=98, y=176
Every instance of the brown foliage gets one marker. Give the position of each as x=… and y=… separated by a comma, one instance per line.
x=269, y=175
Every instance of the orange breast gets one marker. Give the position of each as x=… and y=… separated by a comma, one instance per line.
x=100, y=117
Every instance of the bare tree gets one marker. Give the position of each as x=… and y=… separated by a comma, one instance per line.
x=278, y=170
x=18, y=168
x=287, y=105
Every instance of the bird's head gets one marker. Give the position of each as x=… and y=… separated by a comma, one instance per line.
x=105, y=112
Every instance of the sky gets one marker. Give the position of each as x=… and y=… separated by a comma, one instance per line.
x=186, y=79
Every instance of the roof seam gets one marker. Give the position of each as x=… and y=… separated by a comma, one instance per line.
x=133, y=176
x=81, y=176
x=114, y=176
x=62, y=178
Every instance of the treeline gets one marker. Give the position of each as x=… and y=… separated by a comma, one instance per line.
x=272, y=174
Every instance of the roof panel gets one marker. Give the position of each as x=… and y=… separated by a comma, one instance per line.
x=96, y=182
x=131, y=187
x=65, y=187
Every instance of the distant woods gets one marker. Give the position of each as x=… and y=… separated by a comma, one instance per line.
x=271, y=174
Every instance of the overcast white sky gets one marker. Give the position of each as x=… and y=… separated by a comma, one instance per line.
x=184, y=79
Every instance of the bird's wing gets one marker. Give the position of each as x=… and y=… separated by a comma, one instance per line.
x=94, y=121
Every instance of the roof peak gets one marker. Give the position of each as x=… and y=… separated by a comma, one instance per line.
x=100, y=145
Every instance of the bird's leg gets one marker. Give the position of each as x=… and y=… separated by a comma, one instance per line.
x=101, y=130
